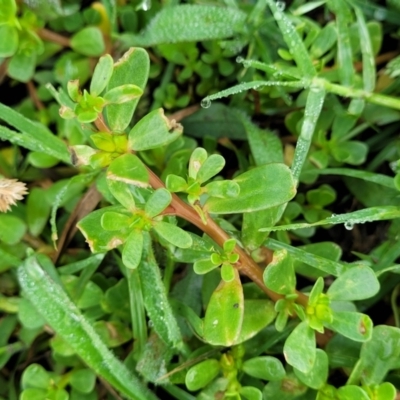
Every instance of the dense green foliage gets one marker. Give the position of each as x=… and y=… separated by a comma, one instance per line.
x=241, y=249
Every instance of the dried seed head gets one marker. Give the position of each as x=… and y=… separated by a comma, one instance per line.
x=10, y=191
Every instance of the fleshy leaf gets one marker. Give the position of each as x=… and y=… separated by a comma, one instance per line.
x=357, y=283
x=101, y=75
x=113, y=221
x=101, y=240
x=260, y=188
x=122, y=94
x=279, y=275
x=126, y=170
x=224, y=314
x=202, y=374
x=132, y=68
x=211, y=167
x=133, y=248
x=265, y=367
x=317, y=377
x=89, y=42
x=299, y=349
x=173, y=234
x=157, y=202
x=354, y=325
x=154, y=130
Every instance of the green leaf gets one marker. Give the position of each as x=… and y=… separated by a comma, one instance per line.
x=224, y=314
x=189, y=23
x=260, y=188
x=258, y=313
x=98, y=239
x=354, y=325
x=8, y=47
x=83, y=380
x=124, y=171
x=227, y=272
x=122, y=94
x=266, y=367
x=155, y=298
x=197, y=158
x=173, y=234
x=29, y=316
x=202, y=374
x=317, y=377
x=12, y=229
x=201, y=267
x=211, y=167
x=113, y=221
x=133, y=248
x=175, y=183
x=299, y=349
x=357, y=283
x=279, y=276
x=378, y=356
x=35, y=376
x=158, y=202
x=22, y=66
x=34, y=136
x=351, y=152
x=350, y=392
x=119, y=116
x=101, y=75
x=250, y=393
x=66, y=319
x=154, y=130
x=89, y=42
x=38, y=211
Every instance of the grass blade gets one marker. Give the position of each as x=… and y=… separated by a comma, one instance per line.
x=314, y=103
x=367, y=52
x=66, y=319
x=33, y=136
x=293, y=41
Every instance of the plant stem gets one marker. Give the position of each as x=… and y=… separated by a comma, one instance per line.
x=51, y=36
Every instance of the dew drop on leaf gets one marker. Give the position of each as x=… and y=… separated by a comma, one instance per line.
x=349, y=225
x=280, y=5
x=205, y=103
x=239, y=59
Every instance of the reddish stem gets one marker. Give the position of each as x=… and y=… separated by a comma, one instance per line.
x=51, y=36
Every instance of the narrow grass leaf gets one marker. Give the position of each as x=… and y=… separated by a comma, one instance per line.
x=344, y=52
x=66, y=319
x=155, y=298
x=315, y=101
x=380, y=179
x=329, y=266
x=189, y=23
x=296, y=46
x=366, y=51
x=349, y=219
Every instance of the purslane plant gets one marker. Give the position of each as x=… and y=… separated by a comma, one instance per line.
x=144, y=213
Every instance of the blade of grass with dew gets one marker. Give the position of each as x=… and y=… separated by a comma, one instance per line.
x=138, y=314
x=331, y=267
x=64, y=317
x=380, y=179
x=349, y=219
x=206, y=102
x=283, y=72
x=315, y=100
x=156, y=300
x=344, y=51
x=366, y=51
x=34, y=136
x=296, y=46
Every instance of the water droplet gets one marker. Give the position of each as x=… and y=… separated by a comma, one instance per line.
x=380, y=14
x=349, y=225
x=333, y=215
x=280, y=5
x=215, y=322
x=145, y=5
x=206, y=103
x=239, y=59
